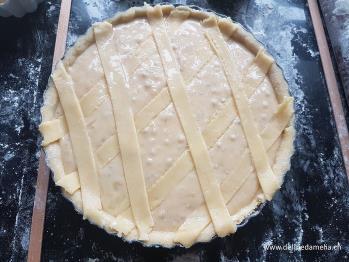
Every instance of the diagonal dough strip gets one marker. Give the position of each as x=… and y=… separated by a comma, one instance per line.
x=80, y=141
x=53, y=130
x=126, y=130
x=265, y=174
x=110, y=149
x=198, y=149
x=70, y=182
x=199, y=219
x=215, y=129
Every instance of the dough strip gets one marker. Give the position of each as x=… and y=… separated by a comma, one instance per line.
x=183, y=165
x=266, y=176
x=199, y=219
x=126, y=130
x=81, y=143
x=209, y=185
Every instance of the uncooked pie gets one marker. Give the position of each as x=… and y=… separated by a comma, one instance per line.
x=167, y=125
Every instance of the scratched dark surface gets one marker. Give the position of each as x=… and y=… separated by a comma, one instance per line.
x=312, y=206
x=336, y=17
x=26, y=48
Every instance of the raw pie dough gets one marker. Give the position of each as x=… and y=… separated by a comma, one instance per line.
x=167, y=125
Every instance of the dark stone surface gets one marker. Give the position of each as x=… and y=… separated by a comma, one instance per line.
x=312, y=206
x=26, y=48
x=336, y=17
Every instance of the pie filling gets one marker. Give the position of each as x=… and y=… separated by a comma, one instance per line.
x=167, y=125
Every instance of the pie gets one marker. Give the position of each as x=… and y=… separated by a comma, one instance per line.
x=167, y=125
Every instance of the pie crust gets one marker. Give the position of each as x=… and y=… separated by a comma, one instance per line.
x=167, y=125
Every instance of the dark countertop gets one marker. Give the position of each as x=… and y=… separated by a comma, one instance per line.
x=336, y=17
x=312, y=206
x=26, y=48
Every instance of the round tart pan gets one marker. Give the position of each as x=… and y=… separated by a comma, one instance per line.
x=275, y=76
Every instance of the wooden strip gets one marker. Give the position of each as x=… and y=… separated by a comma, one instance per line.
x=38, y=217
x=209, y=185
x=266, y=176
x=126, y=130
x=199, y=219
x=331, y=82
x=62, y=31
x=81, y=143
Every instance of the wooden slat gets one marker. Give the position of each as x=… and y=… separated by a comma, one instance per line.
x=38, y=217
x=62, y=31
x=39, y=210
x=331, y=82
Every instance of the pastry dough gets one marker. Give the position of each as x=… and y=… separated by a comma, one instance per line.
x=53, y=130
x=70, y=182
x=80, y=141
x=265, y=174
x=192, y=226
x=126, y=130
x=167, y=125
x=209, y=185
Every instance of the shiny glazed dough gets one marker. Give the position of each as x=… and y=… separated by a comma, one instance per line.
x=173, y=189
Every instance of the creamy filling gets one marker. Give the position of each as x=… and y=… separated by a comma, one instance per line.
x=162, y=141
